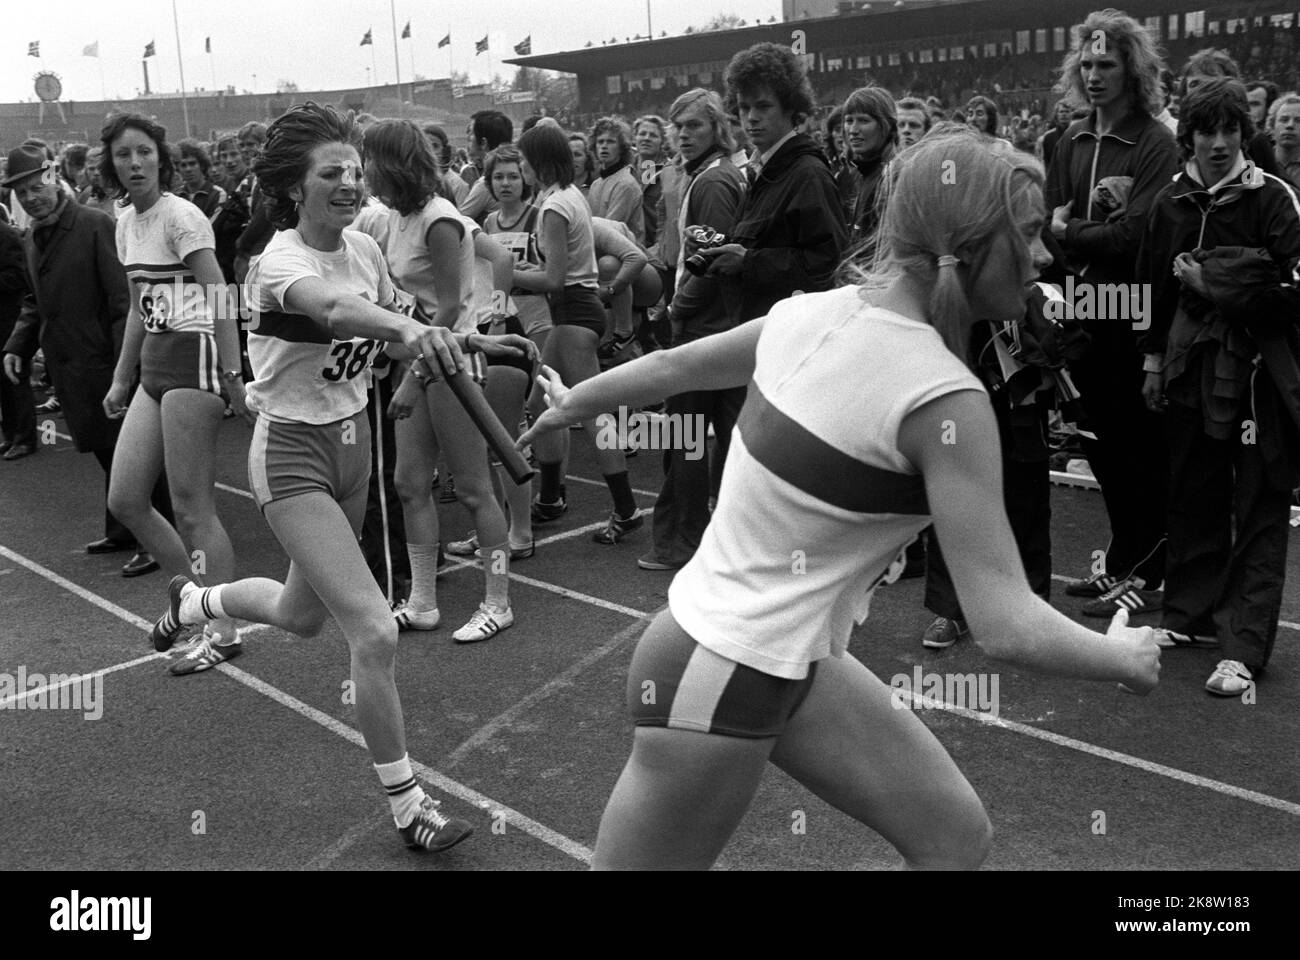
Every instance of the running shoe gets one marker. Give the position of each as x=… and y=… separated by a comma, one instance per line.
x=206, y=654
x=1126, y=595
x=546, y=512
x=943, y=633
x=162, y=638
x=617, y=528
x=614, y=346
x=408, y=618
x=1172, y=639
x=431, y=831
x=469, y=548
x=51, y=405
x=484, y=624
x=1231, y=678
x=1098, y=585
x=652, y=562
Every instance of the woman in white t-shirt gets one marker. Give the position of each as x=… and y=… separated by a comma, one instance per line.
x=324, y=304
x=429, y=247
x=569, y=279
x=861, y=421
x=182, y=333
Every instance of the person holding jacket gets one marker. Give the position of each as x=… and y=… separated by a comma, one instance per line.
x=1221, y=231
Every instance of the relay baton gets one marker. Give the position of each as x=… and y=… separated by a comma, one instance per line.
x=471, y=397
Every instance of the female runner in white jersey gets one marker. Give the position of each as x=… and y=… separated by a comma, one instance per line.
x=322, y=297
x=429, y=248
x=182, y=332
x=569, y=278
x=860, y=412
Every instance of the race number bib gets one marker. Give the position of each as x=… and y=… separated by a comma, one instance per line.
x=156, y=307
x=348, y=359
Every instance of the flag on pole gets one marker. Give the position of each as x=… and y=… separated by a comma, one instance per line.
x=148, y=50
x=444, y=42
x=480, y=46
x=525, y=46
x=34, y=48
x=406, y=31
x=90, y=50
x=366, y=41
x=207, y=45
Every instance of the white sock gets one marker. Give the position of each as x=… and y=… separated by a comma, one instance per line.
x=404, y=794
x=424, y=575
x=201, y=604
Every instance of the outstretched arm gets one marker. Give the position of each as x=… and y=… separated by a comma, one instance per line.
x=964, y=487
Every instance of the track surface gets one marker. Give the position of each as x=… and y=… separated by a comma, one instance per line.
x=526, y=734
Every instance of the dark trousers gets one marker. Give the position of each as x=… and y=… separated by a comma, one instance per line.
x=1129, y=458
x=1027, y=493
x=682, y=509
x=161, y=499
x=1218, y=584
x=383, y=535
x=17, y=411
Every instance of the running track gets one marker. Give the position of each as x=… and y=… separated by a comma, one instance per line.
x=525, y=734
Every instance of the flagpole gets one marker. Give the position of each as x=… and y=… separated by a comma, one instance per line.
x=491, y=94
x=397, y=62
x=180, y=60
x=213, y=64
x=103, y=87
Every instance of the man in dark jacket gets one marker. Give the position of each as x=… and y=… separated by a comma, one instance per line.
x=17, y=408
x=77, y=312
x=713, y=193
x=1117, y=72
x=790, y=233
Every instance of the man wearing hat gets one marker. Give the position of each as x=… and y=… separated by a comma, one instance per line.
x=77, y=311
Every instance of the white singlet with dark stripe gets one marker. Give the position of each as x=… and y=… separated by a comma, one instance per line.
x=302, y=374
x=816, y=504
x=153, y=246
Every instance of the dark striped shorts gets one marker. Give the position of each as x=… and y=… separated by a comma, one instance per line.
x=674, y=682
x=288, y=459
x=179, y=361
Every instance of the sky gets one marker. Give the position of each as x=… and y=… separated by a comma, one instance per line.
x=314, y=43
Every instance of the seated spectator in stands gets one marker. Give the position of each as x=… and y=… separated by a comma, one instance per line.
x=1209, y=63
x=453, y=189
x=1287, y=133
x=584, y=168
x=616, y=193
x=196, y=184
x=982, y=114
x=789, y=234
x=913, y=121
x=871, y=136
x=487, y=130
x=1217, y=352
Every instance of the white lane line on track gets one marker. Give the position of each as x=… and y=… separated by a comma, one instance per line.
x=444, y=783
x=1192, y=779
x=601, y=483
x=507, y=717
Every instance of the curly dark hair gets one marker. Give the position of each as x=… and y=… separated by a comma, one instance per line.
x=404, y=159
x=615, y=125
x=286, y=157
x=1215, y=104
x=118, y=125
x=774, y=66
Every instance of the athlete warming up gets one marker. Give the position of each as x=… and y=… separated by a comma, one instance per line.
x=320, y=292
x=838, y=460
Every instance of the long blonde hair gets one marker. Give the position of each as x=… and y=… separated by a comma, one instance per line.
x=946, y=197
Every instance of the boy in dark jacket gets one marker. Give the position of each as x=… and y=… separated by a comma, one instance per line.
x=1232, y=468
x=790, y=233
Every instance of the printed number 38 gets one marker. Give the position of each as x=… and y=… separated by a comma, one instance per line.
x=350, y=357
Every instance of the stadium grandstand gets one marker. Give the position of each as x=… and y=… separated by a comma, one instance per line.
x=1009, y=49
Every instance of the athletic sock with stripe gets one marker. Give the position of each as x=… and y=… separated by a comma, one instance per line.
x=201, y=604
x=404, y=794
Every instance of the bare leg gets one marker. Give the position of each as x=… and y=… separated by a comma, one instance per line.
x=137, y=464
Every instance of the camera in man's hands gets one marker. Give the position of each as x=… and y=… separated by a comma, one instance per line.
x=703, y=237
